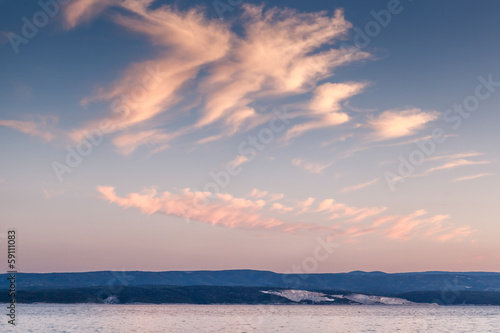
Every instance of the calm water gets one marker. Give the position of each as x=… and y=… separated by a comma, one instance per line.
x=248, y=318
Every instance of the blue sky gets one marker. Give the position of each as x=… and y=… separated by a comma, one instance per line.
x=305, y=127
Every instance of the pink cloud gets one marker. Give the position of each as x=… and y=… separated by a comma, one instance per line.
x=281, y=208
x=455, y=164
x=325, y=106
x=457, y=234
x=239, y=160
x=50, y=193
x=404, y=226
x=311, y=167
x=392, y=124
x=279, y=56
x=360, y=186
x=127, y=143
x=78, y=11
x=304, y=206
x=367, y=212
x=37, y=128
x=258, y=193
x=227, y=210
x=479, y=175
x=151, y=87
x=282, y=52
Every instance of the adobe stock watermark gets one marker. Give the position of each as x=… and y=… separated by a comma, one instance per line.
x=222, y=6
x=453, y=116
x=247, y=149
x=12, y=268
x=322, y=251
x=121, y=106
x=30, y=27
x=114, y=286
x=450, y=293
x=448, y=296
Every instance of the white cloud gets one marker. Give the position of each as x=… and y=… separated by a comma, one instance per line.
x=328, y=96
x=392, y=124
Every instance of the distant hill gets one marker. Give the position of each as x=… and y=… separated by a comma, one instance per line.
x=242, y=295
x=150, y=294
x=358, y=281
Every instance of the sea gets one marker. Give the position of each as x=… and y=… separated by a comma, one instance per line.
x=144, y=318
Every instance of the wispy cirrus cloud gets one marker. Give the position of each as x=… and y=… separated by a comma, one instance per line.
x=395, y=123
x=279, y=56
x=342, y=138
x=479, y=175
x=366, y=213
x=237, y=77
x=364, y=147
x=311, y=167
x=324, y=108
x=282, y=52
x=451, y=161
x=281, y=208
x=50, y=193
x=256, y=193
x=456, y=163
x=257, y=210
x=456, y=234
x=187, y=41
x=360, y=186
x=227, y=210
x=80, y=11
x=239, y=160
x=39, y=127
x=454, y=156
x=127, y=143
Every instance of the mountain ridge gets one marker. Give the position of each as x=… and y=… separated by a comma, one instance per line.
x=356, y=281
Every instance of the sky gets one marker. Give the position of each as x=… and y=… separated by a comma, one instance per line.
x=288, y=136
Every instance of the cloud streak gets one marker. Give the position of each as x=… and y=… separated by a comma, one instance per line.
x=311, y=167
x=282, y=52
x=479, y=175
x=226, y=211
x=186, y=41
x=393, y=124
x=258, y=210
x=360, y=186
x=455, y=164
x=33, y=128
x=325, y=106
